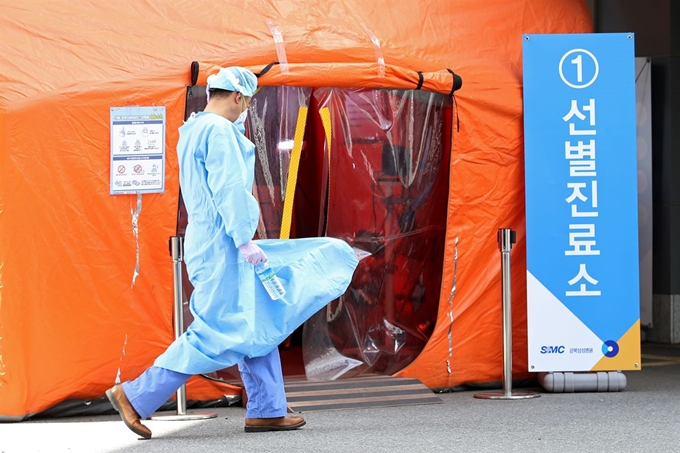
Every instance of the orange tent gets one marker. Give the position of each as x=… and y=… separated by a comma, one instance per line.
x=85, y=295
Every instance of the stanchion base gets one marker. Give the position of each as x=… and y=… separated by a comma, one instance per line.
x=185, y=417
x=500, y=395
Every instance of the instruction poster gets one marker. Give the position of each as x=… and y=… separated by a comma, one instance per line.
x=137, y=150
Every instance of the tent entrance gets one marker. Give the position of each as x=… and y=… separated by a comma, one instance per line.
x=369, y=166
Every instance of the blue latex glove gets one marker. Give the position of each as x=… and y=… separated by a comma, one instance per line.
x=253, y=253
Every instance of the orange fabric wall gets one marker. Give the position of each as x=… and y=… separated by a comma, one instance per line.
x=487, y=189
x=70, y=316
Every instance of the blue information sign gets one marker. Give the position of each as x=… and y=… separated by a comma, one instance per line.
x=581, y=202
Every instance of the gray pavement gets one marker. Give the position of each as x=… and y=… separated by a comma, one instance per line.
x=644, y=417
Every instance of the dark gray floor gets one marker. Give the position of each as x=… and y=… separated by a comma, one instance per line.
x=645, y=417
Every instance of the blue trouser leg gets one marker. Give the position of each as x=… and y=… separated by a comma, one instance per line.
x=263, y=380
x=153, y=388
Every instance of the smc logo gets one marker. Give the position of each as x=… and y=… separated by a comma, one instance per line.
x=552, y=349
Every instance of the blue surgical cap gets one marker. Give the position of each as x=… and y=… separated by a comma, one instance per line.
x=234, y=78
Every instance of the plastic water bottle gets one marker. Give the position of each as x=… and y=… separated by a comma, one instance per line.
x=270, y=281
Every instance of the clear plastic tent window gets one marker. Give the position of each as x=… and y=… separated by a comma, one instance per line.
x=370, y=167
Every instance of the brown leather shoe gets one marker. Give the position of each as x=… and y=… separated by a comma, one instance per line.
x=128, y=413
x=287, y=423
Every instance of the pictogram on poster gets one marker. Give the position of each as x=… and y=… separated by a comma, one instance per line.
x=137, y=150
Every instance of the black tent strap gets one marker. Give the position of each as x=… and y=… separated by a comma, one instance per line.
x=457, y=82
x=194, y=72
x=421, y=79
x=455, y=106
x=266, y=69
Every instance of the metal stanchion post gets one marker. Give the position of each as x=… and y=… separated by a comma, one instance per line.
x=506, y=237
x=177, y=252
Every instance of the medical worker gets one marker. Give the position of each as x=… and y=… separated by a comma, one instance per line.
x=235, y=320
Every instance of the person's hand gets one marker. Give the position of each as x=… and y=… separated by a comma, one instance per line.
x=253, y=253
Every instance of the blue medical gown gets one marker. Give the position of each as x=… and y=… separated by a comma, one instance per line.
x=234, y=316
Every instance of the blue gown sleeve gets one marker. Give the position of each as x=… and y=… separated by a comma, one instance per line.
x=227, y=176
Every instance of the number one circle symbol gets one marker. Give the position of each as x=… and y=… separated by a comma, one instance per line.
x=578, y=61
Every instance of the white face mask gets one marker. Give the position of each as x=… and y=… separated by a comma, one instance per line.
x=241, y=118
x=240, y=122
